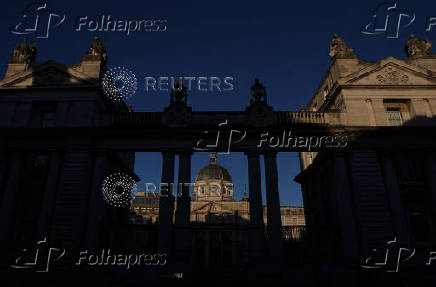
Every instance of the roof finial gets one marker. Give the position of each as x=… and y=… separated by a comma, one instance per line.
x=245, y=197
x=212, y=158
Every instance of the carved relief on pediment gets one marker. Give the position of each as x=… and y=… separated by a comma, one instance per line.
x=51, y=77
x=391, y=76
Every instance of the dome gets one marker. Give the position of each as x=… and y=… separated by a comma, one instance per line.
x=213, y=171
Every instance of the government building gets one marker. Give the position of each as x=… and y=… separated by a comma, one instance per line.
x=63, y=136
x=213, y=203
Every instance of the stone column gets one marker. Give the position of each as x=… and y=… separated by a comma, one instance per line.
x=9, y=199
x=273, y=206
x=166, y=203
x=183, y=197
x=183, y=209
x=234, y=248
x=257, y=229
x=398, y=213
x=96, y=202
x=3, y=171
x=206, y=247
x=49, y=198
x=344, y=206
x=220, y=252
x=194, y=249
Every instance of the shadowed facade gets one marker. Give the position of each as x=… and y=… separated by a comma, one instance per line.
x=369, y=178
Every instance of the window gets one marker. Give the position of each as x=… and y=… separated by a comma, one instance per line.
x=48, y=119
x=397, y=111
x=44, y=114
x=394, y=116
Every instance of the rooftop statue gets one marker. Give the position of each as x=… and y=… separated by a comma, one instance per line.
x=418, y=47
x=178, y=93
x=24, y=53
x=338, y=48
x=97, y=50
x=257, y=93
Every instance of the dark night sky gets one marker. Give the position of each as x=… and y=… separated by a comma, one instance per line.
x=284, y=43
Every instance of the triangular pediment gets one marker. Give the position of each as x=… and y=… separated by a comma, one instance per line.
x=391, y=71
x=213, y=207
x=48, y=74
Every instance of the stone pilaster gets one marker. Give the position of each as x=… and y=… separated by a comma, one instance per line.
x=345, y=210
x=9, y=199
x=96, y=202
x=398, y=213
x=50, y=192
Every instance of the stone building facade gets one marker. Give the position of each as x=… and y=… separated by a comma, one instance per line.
x=360, y=199
x=52, y=188
x=61, y=137
x=213, y=202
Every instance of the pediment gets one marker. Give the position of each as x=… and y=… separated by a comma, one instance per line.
x=49, y=74
x=391, y=71
x=213, y=207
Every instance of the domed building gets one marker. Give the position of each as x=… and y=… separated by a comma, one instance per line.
x=213, y=183
x=219, y=223
x=213, y=200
